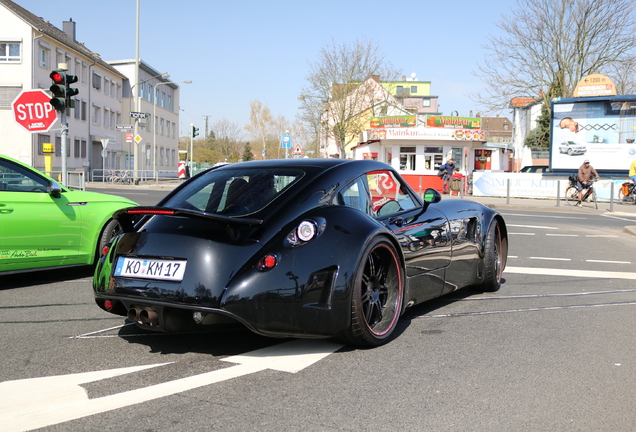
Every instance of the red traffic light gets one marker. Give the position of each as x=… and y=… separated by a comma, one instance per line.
x=57, y=77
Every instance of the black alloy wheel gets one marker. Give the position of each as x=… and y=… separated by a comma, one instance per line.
x=377, y=296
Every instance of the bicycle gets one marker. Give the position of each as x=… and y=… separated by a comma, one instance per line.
x=572, y=193
x=627, y=193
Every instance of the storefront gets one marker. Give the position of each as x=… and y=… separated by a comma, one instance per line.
x=418, y=152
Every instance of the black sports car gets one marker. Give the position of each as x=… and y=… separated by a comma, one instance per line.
x=297, y=248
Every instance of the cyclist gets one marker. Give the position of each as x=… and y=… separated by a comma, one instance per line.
x=632, y=171
x=584, y=180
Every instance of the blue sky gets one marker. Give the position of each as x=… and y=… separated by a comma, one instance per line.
x=236, y=52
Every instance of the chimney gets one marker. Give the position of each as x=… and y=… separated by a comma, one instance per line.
x=69, y=28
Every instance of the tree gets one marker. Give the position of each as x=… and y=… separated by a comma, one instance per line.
x=225, y=137
x=330, y=105
x=548, y=46
x=260, y=126
x=247, y=152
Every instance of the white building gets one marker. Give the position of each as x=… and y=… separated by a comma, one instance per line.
x=30, y=48
x=159, y=100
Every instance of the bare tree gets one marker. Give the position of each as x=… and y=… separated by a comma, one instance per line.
x=260, y=126
x=335, y=96
x=227, y=138
x=547, y=46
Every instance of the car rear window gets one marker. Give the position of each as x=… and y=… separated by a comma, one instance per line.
x=234, y=192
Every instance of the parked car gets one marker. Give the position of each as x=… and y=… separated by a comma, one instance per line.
x=535, y=169
x=297, y=248
x=44, y=225
x=572, y=148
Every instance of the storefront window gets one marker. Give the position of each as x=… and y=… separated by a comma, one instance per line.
x=407, y=158
x=457, y=158
x=433, y=157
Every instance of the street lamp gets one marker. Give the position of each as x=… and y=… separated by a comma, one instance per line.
x=154, y=126
x=137, y=101
x=164, y=75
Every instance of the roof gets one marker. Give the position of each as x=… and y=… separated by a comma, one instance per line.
x=39, y=24
x=522, y=102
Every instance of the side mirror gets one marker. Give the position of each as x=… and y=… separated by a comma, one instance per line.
x=432, y=196
x=55, y=190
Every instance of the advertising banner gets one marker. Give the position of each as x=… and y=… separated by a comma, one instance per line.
x=601, y=129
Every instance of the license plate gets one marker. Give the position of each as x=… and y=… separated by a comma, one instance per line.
x=172, y=270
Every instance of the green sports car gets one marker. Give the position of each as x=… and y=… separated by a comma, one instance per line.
x=44, y=225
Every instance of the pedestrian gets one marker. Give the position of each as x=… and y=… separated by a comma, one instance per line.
x=584, y=180
x=449, y=167
x=632, y=171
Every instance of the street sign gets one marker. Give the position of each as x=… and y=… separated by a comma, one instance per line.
x=138, y=115
x=298, y=149
x=48, y=148
x=129, y=137
x=33, y=111
x=124, y=127
x=137, y=139
x=286, y=141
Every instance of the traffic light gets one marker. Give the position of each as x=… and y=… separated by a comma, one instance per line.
x=58, y=88
x=70, y=92
x=195, y=132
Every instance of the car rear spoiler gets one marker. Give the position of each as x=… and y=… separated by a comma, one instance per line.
x=129, y=216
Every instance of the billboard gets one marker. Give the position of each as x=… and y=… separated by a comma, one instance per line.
x=601, y=129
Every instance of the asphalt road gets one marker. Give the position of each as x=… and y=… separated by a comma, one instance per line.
x=552, y=350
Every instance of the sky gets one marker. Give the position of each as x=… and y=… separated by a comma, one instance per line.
x=236, y=52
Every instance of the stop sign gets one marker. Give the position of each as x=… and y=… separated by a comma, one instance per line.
x=33, y=111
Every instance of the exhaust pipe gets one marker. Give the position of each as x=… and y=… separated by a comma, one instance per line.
x=134, y=314
x=149, y=317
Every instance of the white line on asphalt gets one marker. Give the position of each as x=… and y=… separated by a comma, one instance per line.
x=535, y=216
x=550, y=259
x=492, y=312
x=528, y=234
x=571, y=273
x=532, y=226
x=562, y=235
x=522, y=296
x=600, y=235
x=609, y=262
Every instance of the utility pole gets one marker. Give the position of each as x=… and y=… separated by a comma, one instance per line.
x=206, y=126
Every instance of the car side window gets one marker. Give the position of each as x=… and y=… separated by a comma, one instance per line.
x=16, y=179
x=355, y=195
x=388, y=195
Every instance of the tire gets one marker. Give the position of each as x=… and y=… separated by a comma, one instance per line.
x=495, y=250
x=111, y=230
x=572, y=195
x=376, y=296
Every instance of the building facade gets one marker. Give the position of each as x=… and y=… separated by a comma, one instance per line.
x=30, y=48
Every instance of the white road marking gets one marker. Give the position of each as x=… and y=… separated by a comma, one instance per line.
x=40, y=402
x=609, y=262
x=571, y=273
x=493, y=312
x=534, y=216
x=601, y=235
x=562, y=235
x=528, y=234
x=532, y=226
x=550, y=259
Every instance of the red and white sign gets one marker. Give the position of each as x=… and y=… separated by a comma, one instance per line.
x=33, y=111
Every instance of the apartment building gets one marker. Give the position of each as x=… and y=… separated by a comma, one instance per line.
x=30, y=48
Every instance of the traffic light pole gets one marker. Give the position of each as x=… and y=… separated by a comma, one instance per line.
x=64, y=122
